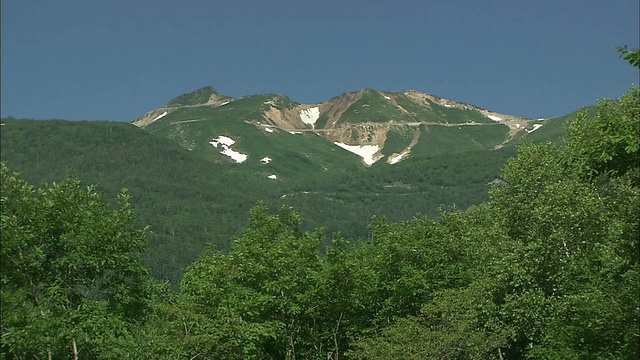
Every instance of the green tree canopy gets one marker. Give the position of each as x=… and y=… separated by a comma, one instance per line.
x=72, y=279
x=632, y=56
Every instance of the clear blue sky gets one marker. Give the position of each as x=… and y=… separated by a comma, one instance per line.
x=117, y=59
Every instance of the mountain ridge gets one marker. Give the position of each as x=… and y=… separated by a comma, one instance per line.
x=208, y=96
x=359, y=122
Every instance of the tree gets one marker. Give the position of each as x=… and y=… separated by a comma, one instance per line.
x=569, y=284
x=606, y=145
x=257, y=301
x=443, y=297
x=72, y=279
x=455, y=324
x=632, y=56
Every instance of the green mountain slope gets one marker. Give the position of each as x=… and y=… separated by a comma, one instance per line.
x=365, y=121
x=373, y=106
x=187, y=201
x=184, y=172
x=190, y=201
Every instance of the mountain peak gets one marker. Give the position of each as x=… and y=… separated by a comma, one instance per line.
x=205, y=96
x=201, y=96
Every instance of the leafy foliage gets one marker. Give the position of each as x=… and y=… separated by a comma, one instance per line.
x=72, y=277
x=632, y=56
x=563, y=209
x=262, y=290
x=614, y=149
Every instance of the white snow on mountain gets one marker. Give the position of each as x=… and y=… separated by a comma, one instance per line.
x=535, y=127
x=236, y=156
x=224, y=140
x=365, y=151
x=310, y=116
x=224, y=143
x=160, y=116
x=396, y=159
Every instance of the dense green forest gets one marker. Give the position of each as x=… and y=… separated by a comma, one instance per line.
x=190, y=201
x=546, y=268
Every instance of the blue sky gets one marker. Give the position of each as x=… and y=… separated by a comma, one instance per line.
x=117, y=59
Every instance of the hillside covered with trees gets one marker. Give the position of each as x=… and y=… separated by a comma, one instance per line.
x=546, y=268
x=188, y=201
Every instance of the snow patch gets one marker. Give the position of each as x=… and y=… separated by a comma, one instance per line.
x=236, y=156
x=494, y=118
x=270, y=130
x=272, y=177
x=295, y=132
x=396, y=159
x=225, y=143
x=266, y=160
x=518, y=126
x=224, y=103
x=160, y=116
x=447, y=105
x=222, y=140
x=365, y=151
x=535, y=127
x=310, y=116
x=388, y=98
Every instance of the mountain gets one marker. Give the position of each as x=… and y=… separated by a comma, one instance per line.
x=378, y=126
x=196, y=166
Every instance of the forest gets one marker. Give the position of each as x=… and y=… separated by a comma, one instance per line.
x=188, y=201
x=546, y=268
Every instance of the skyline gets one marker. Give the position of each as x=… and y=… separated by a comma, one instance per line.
x=118, y=60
